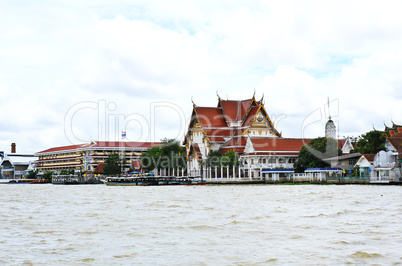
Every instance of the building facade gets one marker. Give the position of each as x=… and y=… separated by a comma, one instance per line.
x=15, y=165
x=385, y=166
x=241, y=126
x=90, y=157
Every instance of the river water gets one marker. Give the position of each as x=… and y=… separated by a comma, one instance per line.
x=44, y=224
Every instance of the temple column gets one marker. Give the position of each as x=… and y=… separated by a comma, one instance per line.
x=216, y=172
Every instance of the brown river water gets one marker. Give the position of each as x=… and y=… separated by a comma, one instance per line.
x=44, y=224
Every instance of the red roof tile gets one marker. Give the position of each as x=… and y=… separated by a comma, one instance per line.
x=273, y=153
x=278, y=144
x=369, y=157
x=63, y=148
x=103, y=144
x=251, y=115
x=99, y=168
x=232, y=110
x=211, y=117
x=396, y=141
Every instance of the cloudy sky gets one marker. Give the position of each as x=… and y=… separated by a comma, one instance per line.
x=74, y=71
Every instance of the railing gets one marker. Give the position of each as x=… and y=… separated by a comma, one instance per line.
x=385, y=165
x=346, y=178
x=381, y=179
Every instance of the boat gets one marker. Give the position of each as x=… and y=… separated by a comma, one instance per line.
x=22, y=181
x=73, y=180
x=120, y=181
x=150, y=180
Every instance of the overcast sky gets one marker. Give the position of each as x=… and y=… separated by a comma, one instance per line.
x=75, y=71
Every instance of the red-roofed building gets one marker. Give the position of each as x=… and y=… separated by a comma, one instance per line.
x=91, y=156
x=244, y=127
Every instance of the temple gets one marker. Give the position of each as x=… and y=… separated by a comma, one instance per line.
x=245, y=128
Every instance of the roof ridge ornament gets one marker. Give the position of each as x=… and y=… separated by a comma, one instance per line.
x=219, y=98
x=194, y=105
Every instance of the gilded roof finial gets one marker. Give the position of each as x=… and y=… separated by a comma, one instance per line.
x=262, y=98
x=192, y=101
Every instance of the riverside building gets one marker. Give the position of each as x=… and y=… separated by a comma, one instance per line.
x=244, y=127
x=90, y=157
x=15, y=165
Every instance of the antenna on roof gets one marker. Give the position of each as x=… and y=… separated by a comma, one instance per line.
x=329, y=114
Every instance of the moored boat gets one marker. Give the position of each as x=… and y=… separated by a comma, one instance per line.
x=121, y=181
x=72, y=180
x=22, y=181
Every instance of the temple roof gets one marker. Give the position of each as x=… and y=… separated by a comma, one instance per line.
x=229, y=121
x=390, y=131
x=278, y=144
x=396, y=141
x=210, y=116
x=235, y=110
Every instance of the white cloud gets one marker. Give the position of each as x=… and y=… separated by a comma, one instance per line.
x=297, y=54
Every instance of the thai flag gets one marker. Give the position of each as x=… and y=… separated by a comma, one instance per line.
x=123, y=134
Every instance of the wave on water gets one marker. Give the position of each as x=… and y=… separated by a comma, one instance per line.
x=362, y=254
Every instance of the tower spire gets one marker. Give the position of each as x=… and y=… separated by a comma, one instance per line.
x=329, y=114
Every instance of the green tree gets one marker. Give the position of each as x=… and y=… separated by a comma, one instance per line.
x=313, y=153
x=113, y=164
x=47, y=176
x=173, y=155
x=150, y=158
x=230, y=159
x=213, y=159
x=170, y=155
x=32, y=174
x=371, y=143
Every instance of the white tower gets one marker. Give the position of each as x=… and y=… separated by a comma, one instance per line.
x=330, y=128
